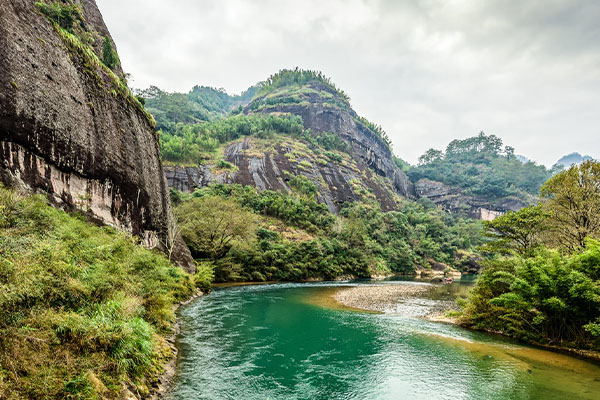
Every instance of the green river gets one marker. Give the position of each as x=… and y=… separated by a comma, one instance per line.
x=292, y=341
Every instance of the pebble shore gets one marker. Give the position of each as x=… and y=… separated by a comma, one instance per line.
x=380, y=298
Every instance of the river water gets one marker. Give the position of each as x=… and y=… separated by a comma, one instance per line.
x=292, y=341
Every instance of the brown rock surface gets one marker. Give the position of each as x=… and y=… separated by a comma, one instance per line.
x=65, y=130
x=453, y=199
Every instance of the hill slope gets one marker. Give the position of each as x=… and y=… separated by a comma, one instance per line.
x=478, y=176
x=297, y=125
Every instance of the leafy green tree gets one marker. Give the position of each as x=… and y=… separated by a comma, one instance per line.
x=109, y=55
x=549, y=298
x=573, y=202
x=516, y=231
x=210, y=225
x=430, y=156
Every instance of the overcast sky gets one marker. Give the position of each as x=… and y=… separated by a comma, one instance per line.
x=428, y=71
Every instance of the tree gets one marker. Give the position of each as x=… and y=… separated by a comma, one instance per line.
x=109, y=56
x=210, y=225
x=573, y=202
x=516, y=231
x=430, y=156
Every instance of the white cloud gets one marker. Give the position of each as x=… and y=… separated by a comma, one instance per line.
x=428, y=71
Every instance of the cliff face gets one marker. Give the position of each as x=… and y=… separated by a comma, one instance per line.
x=322, y=110
x=454, y=200
x=365, y=171
x=69, y=128
x=271, y=166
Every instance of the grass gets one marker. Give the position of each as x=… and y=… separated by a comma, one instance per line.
x=83, y=309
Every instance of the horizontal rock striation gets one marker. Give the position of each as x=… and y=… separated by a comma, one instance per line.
x=454, y=200
x=66, y=131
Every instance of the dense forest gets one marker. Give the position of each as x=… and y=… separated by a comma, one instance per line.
x=483, y=166
x=542, y=282
x=246, y=235
x=201, y=104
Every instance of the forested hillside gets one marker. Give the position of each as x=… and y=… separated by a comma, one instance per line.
x=247, y=235
x=201, y=104
x=482, y=166
x=310, y=189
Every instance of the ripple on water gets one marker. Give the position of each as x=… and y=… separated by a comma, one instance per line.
x=275, y=342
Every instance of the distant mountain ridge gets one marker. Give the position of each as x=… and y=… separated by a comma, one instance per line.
x=573, y=158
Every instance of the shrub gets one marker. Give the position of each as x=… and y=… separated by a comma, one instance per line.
x=81, y=306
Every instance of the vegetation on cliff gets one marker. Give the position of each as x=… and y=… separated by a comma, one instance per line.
x=70, y=25
x=305, y=88
x=481, y=166
x=197, y=142
x=294, y=237
x=83, y=309
x=547, y=289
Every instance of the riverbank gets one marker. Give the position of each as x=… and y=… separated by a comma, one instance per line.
x=386, y=298
x=165, y=379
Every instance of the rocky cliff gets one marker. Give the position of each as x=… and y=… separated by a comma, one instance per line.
x=453, y=199
x=274, y=164
x=70, y=128
x=364, y=171
x=323, y=110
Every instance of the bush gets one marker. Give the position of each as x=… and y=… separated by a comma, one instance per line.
x=62, y=14
x=549, y=298
x=109, y=55
x=222, y=164
x=81, y=306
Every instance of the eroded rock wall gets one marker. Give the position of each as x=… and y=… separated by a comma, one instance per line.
x=66, y=132
x=368, y=149
x=337, y=182
x=454, y=200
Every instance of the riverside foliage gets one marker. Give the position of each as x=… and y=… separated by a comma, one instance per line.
x=83, y=309
x=547, y=289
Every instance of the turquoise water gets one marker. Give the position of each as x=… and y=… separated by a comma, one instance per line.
x=282, y=341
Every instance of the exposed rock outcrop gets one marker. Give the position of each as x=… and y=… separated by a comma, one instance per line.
x=366, y=170
x=70, y=129
x=454, y=200
x=337, y=182
x=321, y=112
